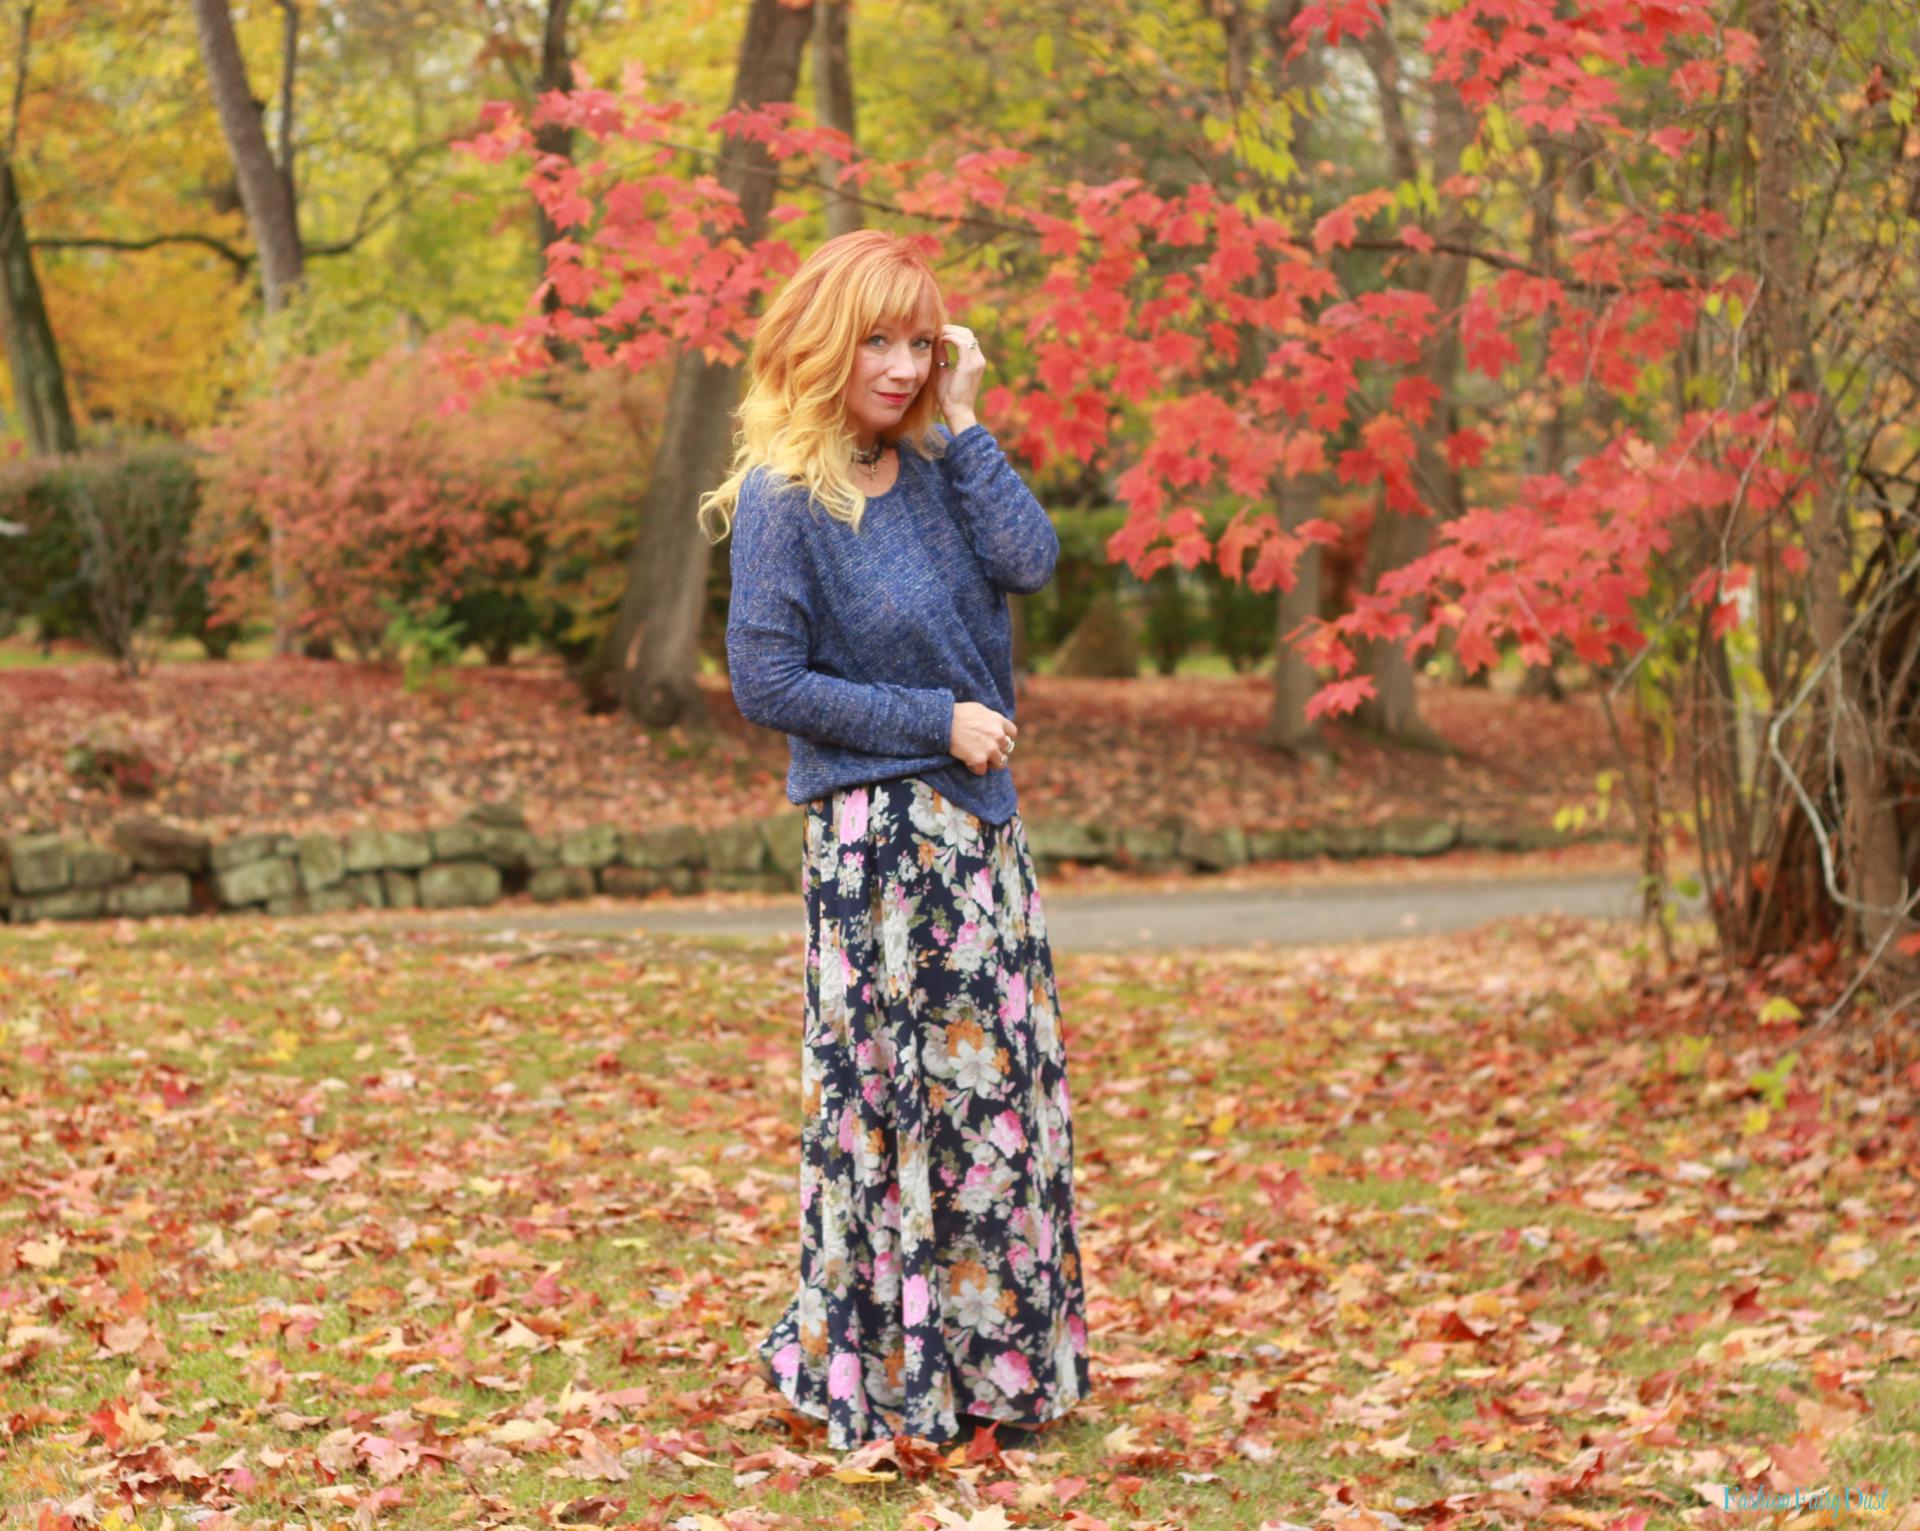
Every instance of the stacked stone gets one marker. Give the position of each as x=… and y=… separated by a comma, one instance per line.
x=153, y=868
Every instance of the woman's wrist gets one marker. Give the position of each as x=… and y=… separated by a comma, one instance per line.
x=961, y=420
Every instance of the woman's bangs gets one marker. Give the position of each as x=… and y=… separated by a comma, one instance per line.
x=907, y=301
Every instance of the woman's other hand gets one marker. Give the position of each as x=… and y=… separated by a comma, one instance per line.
x=980, y=737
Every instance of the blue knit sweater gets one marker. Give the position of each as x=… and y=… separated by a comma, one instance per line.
x=858, y=646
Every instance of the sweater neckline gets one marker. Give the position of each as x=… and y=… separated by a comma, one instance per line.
x=899, y=477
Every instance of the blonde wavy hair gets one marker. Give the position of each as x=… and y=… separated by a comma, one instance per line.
x=794, y=416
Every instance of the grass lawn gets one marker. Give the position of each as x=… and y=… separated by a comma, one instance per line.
x=324, y=1222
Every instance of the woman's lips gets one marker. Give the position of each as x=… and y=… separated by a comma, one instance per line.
x=894, y=398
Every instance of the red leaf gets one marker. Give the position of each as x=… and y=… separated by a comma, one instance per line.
x=1744, y=1306
x=1414, y=397
x=1464, y=449
x=1341, y=696
x=1337, y=228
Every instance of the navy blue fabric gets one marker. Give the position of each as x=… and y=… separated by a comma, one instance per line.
x=857, y=646
x=940, y=1268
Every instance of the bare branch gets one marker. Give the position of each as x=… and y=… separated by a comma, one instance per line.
x=240, y=260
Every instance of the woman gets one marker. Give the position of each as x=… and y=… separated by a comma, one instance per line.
x=940, y=1286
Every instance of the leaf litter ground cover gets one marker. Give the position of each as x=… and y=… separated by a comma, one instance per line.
x=332, y=1225
x=301, y=745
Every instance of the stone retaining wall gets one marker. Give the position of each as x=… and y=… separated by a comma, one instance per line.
x=154, y=868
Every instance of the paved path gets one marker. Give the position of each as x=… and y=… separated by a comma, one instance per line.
x=1097, y=922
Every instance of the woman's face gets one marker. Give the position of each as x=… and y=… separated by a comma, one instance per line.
x=890, y=367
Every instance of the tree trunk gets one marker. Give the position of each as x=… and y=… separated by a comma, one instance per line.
x=33, y=355
x=833, y=105
x=1871, y=846
x=1022, y=653
x=650, y=657
x=289, y=70
x=266, y=193
x=1396, y=540
x=1288, y=727
x=556, y=73
x=265, y=187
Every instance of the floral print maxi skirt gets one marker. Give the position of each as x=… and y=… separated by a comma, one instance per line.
x=939, y=1262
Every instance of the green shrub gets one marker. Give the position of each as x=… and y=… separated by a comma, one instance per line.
x=102, y=556
x=1170, y=628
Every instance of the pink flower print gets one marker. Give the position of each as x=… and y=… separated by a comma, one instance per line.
x=873, y=1088
x=1020, y=1257
x=1006, y=1134
x=1045, y=1240
x=843, y=1376
x=853, y=814
x=846, y=962
x=847, y=1129
x=1077, y=1332
x=1010, y=1373
x=786, y=1360
x=980, y=886
x=1013, y=1009
x=915, y=1301
x=968, y=931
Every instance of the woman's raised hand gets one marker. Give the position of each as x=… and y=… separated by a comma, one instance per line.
x=980, y=737
x=957, y=382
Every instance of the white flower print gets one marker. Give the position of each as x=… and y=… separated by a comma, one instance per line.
x=928, y=817
x=974, y=1303
x=975, y=1067
x=986, y=1187
x=971, y=943
x=896, y=937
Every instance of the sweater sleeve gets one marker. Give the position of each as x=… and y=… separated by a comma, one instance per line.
x=1006, y=526
x=769, y=639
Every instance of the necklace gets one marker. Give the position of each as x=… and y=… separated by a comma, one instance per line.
x=870, y=460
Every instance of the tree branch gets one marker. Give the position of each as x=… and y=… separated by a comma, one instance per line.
x=1506, y=263
x=240, y=260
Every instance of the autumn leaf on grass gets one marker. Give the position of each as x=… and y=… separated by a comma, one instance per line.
x=1821, y=1419
x=1801, y=1464
x=988, y=1518
x=44, y=1254
x=1615, y=1198
x=595, y=1461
